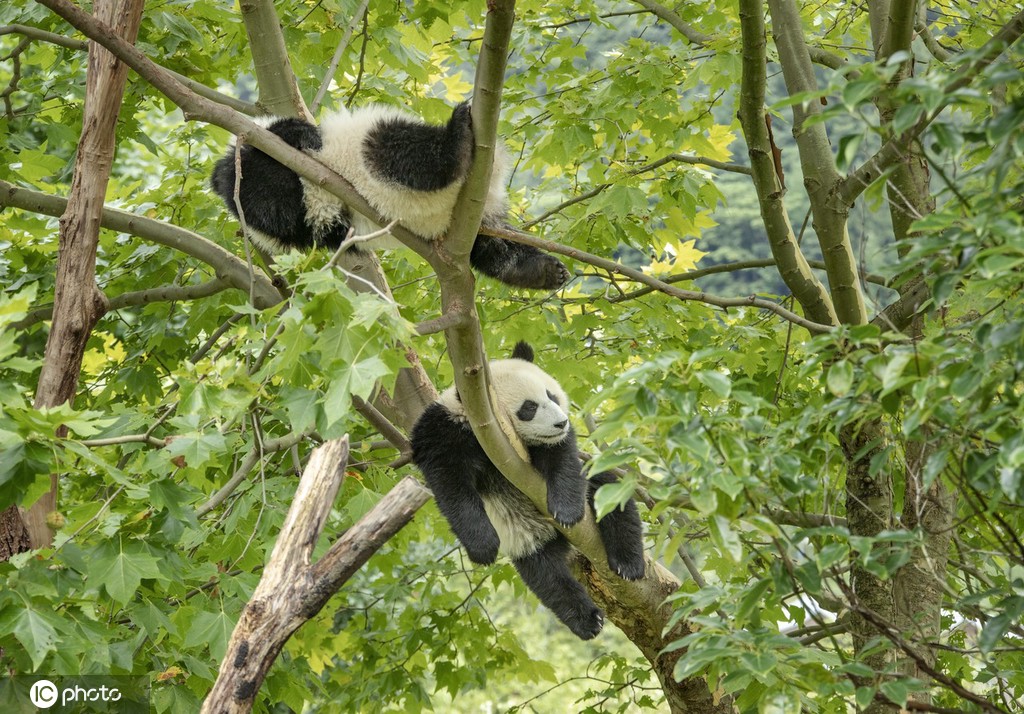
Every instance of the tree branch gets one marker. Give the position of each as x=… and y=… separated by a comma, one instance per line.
x=279, y=92
x=257, y=452
x=793, y=267
x=682, y=158
x=228, y=266
x=818, y=164
x=699, y=39
x=167, y=293
x=654, y=283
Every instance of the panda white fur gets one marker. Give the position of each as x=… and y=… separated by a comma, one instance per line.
x=406, y=169
x=488, y=514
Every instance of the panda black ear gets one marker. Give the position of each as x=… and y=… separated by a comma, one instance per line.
x=523, y=351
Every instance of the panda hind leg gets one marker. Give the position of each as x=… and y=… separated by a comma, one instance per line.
x=518, y=265
x=621, y=533
x=546, y=573
x=421, y=156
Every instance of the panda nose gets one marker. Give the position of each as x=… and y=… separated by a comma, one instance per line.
x=560, y=425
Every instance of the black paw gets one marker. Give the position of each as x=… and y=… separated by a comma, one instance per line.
x=627, y=566
x=567, y=512
x=483, y=551
x=585, y=624
x=550, y=273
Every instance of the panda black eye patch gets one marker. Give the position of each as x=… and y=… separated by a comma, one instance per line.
x=527, y=410
x=553, y=398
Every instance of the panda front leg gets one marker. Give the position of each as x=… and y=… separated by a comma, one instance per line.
x=621, y=532
x=546, y=573
x=518, y=265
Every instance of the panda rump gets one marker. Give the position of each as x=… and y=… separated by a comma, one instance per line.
x=408, y=170
x=488, y=514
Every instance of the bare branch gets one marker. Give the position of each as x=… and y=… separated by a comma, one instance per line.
x=339, y=52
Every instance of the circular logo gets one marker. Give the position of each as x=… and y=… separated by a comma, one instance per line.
x=43, y=694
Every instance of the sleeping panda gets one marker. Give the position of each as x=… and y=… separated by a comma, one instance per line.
x=408, y=170
x=487, y=513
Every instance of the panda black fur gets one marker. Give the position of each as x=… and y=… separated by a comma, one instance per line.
x=408, y=170
x=487, y=513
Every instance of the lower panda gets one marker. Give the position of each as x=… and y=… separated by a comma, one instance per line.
x=488, y=514
x=406, y=169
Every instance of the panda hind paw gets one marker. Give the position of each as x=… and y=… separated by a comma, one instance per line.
x=483, y=553
x=551, y=273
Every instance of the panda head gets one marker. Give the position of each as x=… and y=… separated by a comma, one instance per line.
x=533, y=402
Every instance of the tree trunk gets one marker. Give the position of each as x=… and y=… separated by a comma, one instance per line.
x=78, y=303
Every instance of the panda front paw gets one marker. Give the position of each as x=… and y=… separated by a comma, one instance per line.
x=629, y=567
x=586, y=623
x=566, y=512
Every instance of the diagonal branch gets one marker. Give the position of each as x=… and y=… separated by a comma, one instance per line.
x=74, y=44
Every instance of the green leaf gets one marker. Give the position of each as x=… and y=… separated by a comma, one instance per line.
x=716, y=382
x=612, y=496
x=839, y=378
x=35, y=629
x=120, y=568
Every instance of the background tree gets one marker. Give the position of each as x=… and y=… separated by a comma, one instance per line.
x=832, y=479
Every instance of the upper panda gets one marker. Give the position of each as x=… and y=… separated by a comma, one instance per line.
x=487, y=513
x=406, y=169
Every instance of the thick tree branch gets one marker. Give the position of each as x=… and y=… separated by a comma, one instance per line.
x=229, y=267
x=818, y=164
x=793, y=267
x=78, y=302
x=279, y=92
x=294, y=588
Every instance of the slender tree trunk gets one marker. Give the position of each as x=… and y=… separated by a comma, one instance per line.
x=78, y=303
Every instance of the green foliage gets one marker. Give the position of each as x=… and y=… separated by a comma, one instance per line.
x=731, y=421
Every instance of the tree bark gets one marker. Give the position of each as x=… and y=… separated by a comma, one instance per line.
x=293, y=589
x=78, y=303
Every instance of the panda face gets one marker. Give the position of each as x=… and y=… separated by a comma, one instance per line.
x=541, y=421
x=530, y=399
